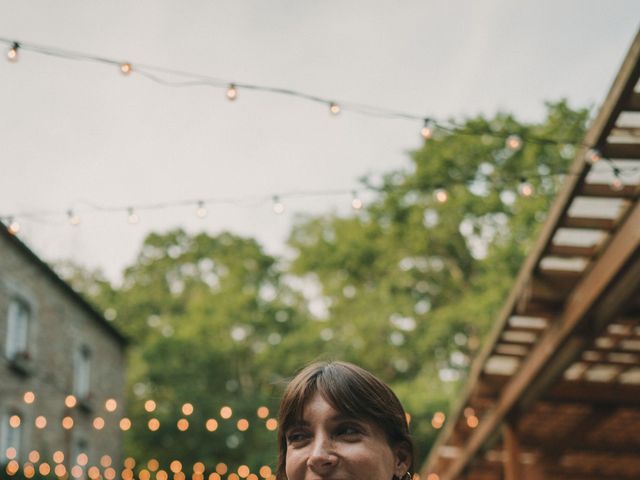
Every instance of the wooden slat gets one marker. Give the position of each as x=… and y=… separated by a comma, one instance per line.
x=605, y=190
x=621, y=150
x=572, y=250
x=590, y=223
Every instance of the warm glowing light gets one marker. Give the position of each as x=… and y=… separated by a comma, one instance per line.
x=221, y=468
x=14, y=421
x=60, y=470
x=153, y=464
x=214, y=476
x=472, y=421
x=187, y=409
x=14, y=227
x=356, y=202
x=252, y=476
x=198, y=467
x=58, y=456
x=110, y=473
x=12, y=54
x=226, y=412
x=617, y=185
x=111, y=405
x=175, y=466
x=154, y=424
x=334, y=108
x=28, y=470
x=525, y=188
x=105, y=461
x=133, y=216
x=10, y=453
x=513, y=143
x=67, y=423
x=44, y=469
x=272, y=424
x=82, y=459
x=468, y=412
x=93, y=472
x=149, y=405
x=76, y=471
x=34, y=456
x=70, y=401
x=232, y=92
x=73, y=218
x=98, y=423
x=243, y=471
x=593, y=156
x=29, y=397
x=407, y=418
x=183, y=424
x=427, y=129
x=433, y=476
x=263, y=412
x=265, y=471
x=126, y=68
x=243, y=424
x=125, y=424
x=233, y=476
x=179, y=476
x=211, y=425
x=40, y=422
x=162, y=475
x=129, y=463
x=438, y=420
x=144, y=474
x=441, y=195
x=12, y=467
x=127, y=474
x=278, y=206
x=201, y=211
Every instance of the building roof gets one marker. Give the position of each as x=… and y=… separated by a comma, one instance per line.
x=74, y=296
x=556, y=388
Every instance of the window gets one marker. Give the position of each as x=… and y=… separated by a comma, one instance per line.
x=10, y=436
x=18, y=319
x=82, y=372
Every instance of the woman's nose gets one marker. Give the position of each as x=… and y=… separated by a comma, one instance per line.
x=322, y=457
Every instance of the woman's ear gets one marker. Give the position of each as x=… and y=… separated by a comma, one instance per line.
x=403, y=458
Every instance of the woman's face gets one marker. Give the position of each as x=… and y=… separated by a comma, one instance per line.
x=326, y=445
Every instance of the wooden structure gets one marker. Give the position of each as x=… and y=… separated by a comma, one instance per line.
x=555, y=393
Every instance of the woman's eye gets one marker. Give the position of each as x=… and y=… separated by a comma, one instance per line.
x=296, y=437
x=349, y=430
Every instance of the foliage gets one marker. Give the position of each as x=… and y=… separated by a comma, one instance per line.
x=406, y=288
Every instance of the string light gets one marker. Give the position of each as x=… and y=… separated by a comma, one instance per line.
x=232, y=92
x=593, y=156
x=513, y=143
x=525, y=188
x=73, y=218
x=149, y=406
x=617, y=185
x=201, y=211
x=133, y=216
x=278, y=206
x=12, y=53
x=29, y=397
x=356, y=202
x=334, y=108
x=427, y=129
x=441, y=195
x=126, y=68
x=70, y=401
x=14, y=226
x=111, y=405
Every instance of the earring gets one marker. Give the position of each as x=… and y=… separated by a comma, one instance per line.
x=409, y=476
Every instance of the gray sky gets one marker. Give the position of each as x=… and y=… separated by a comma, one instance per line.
x=74, y=132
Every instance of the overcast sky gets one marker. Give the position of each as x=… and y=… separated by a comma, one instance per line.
x=74, y=133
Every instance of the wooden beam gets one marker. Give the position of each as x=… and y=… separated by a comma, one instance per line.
x=573, y=250
x=605, y=190
x=589, y=223
x=559, y=347
x=621, y=150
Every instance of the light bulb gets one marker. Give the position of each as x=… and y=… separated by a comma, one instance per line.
x=201, y=211
x=525, y=188
x=593, y=156
x=12, y=54
x=14, y=226
x=513, y=143
x=427, y=129
x=334, y=108
x=441, y=195
x=278, y=206
x=617, y=185
x=356, y=202
x=126, y=68
x=232, y=92
x=73, y=218
x=133, y=216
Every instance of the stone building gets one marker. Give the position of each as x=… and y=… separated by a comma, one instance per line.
x=61, y=369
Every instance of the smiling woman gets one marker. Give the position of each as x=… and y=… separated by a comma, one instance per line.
x=339, y=422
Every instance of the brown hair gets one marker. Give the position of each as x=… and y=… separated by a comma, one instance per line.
x=352, y=391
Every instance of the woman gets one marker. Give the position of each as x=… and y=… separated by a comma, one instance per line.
x=339, y=422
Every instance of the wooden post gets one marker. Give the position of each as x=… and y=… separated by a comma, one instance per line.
x=512, y=467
